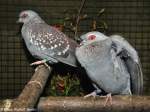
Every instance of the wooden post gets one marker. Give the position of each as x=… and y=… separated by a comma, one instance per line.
x=32, y=91
x=79, y=104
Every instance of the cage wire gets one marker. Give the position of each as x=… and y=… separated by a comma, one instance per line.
x=130, y=18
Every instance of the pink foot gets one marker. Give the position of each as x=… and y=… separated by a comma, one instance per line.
x=38, y=62
x=108, y=99
x=93, y=94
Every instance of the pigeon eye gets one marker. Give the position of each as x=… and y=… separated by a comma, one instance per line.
x=91, y=37
x=24, y=15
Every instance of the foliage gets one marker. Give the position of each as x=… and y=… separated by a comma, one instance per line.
x=64, y=85
x=69, y=22
x=70, y=17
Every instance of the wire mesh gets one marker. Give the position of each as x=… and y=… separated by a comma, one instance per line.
x=129, y=18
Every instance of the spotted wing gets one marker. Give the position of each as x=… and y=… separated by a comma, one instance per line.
x=53, y=43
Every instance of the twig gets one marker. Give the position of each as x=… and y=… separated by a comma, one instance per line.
x=78, y=18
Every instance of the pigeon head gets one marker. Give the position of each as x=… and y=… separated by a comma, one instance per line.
x=26, y=16
x=92, y=37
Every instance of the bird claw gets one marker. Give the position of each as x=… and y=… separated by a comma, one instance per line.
x=37, y=63
x=93, y=94
x=108, y=99
x=49, y=68
x=38, y=67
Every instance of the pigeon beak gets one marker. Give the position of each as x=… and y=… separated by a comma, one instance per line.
x=82, y=43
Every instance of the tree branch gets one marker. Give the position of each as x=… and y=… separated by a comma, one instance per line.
x=33, y=89
x=79, y=104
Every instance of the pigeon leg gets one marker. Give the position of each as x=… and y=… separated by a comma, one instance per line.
x=45, y=65
x=38, y=62
x=108, y=99
x=94, y=93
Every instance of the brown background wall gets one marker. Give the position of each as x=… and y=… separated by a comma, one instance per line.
x=131, y=18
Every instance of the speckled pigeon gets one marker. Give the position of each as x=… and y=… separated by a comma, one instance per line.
x=111, y=63
x=46, y=42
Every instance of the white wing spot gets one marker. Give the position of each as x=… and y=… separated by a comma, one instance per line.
x=66, y=49
x=33, y=36
x=62, y=42
x=44, y=41
x=46, y=35
x=49, y=34
x=52, y=48
x=48, y=38
x=35, y=42
x=38, y=39
x=31, y=40
x=59, y=53
x=42, y=47
x=59, y=44
x=55, y=46
x=40, y=35
x=68, y=46
x=55, y=40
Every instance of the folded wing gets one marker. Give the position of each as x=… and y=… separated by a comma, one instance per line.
x=130, y=57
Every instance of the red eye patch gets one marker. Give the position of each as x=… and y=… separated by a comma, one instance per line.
x=91, y=37
x=24, y=15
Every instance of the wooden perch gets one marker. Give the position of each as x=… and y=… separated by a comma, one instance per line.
x=79, y=104
x=32, y=91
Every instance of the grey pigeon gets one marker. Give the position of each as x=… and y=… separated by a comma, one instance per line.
x=46, y=42
x=111, y=63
